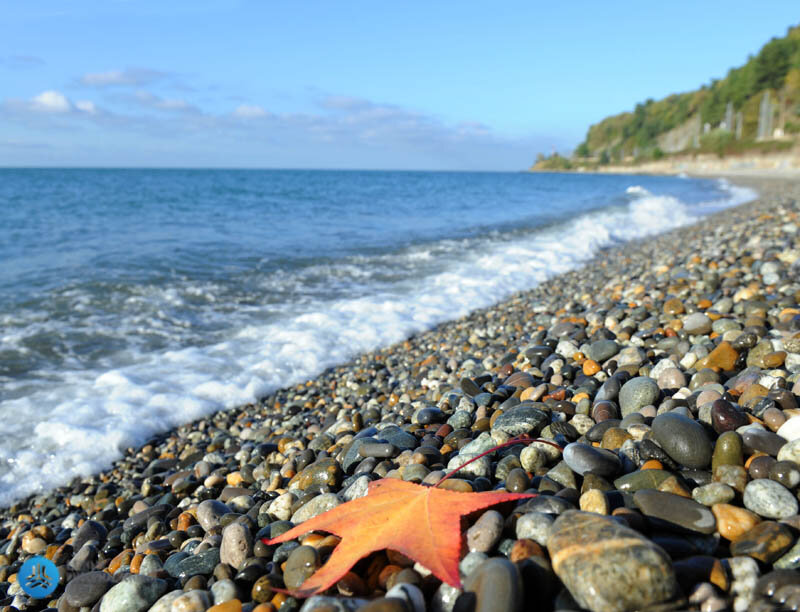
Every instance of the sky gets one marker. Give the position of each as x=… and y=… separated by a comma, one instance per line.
x=349, y=84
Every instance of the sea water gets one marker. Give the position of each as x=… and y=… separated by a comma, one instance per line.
x=132, y=301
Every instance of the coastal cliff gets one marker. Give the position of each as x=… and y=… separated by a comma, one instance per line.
x=748, y=120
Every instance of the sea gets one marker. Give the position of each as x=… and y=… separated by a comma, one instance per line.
x=136, y=300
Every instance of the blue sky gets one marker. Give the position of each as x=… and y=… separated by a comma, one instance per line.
x=408, y=85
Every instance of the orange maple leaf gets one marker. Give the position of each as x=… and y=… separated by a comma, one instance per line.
x=423, y=523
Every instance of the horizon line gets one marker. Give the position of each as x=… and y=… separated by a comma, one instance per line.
x=256, y=168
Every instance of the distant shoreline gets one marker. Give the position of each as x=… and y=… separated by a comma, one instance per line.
x=783, y=165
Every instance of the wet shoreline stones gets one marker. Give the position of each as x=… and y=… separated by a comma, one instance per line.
x=664, y=377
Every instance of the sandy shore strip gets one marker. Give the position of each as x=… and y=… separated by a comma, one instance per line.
x=666, y=369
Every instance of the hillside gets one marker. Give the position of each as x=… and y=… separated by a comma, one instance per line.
x=756, y=107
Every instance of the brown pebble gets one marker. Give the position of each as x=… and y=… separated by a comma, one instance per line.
x=262, y=590
x=760, y=466
x=524, y=549
x=774, y=418
x=673, y=306
x=614, y=437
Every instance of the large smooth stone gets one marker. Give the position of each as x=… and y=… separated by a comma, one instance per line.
x=790, y=429
x=582, y=458
x=765, y=542
x=521, y=419
x=683, y=439
x=497, y=586
x=608, y=567
x=670, y=510
x=641, y=479
x=86, y=589
x=601, y=350
x=134, y=594
x=769, y=499
x=761, y=440
x=637, y=393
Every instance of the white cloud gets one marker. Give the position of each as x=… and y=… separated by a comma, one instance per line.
x=86, y=106
x=145, y=98
x=249, y=111
x=51, y=101
x=343, y=131
x=127, y=77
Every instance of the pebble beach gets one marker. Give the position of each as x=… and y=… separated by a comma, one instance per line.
x=663, y=377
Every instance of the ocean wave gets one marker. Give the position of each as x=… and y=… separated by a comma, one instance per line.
x=77, y=420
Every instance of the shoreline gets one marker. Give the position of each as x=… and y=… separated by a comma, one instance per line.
x=250, y=456
x=754, y=166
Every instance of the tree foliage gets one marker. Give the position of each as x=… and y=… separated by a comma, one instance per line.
x=775, y=68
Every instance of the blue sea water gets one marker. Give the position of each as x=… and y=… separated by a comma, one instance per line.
x=132, y=301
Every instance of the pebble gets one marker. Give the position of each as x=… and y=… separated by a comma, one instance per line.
x=237, y=545
x=607, y=566
x=733, y=521
x=86, y=589
x=481, y=468
x=193, y=601
x=134, y=594
x=786, y=473
x=535, y=526
x=582, y=458
x=224, y=590
x=683, y=439
x=769, y=499
x=164, y=603
x=486, y=532
x=667, y=509
x=318, y=505
x=302, y=562
x=789, y=452
x=410, y=594
x=210, y=512
x=728, y=450
x=697, y=324
x=765, y=542
x=522, y=419
x=637, y=393
x=713, y=493
x=671, y=378
x=497, y=585
x=601, y=350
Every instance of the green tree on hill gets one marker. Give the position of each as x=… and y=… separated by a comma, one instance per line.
x=775, y=68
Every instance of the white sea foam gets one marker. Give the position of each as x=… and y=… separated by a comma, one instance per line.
x=82, y=421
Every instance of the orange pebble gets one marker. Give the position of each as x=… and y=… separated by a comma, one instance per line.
x=652, y=464
x=123, y=558
x=185, y=520
x=232, y=605
x=590, y=367
x=234, y=479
